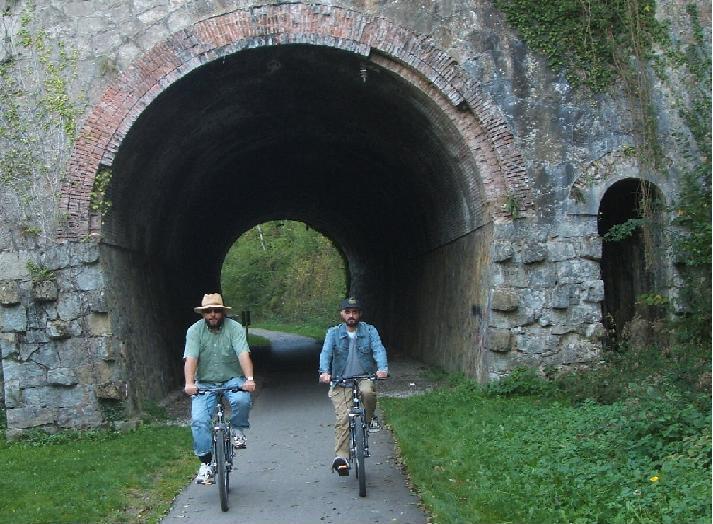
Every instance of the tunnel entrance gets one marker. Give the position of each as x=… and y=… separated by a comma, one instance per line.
x=630, y=221
x=378, y=164
x=285, y=273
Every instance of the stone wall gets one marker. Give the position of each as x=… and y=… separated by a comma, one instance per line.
x=60, y=359
x=495, y=284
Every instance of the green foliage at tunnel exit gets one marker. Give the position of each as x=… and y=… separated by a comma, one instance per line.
x=584, y=38
x=284, y=271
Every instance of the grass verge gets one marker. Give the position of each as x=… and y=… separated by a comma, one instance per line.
x=479, y=457
x=99, y=476
x=306, y=329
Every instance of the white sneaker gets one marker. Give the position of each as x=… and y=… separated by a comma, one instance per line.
x=374, y=425
x=239, y=439
x=205, y=474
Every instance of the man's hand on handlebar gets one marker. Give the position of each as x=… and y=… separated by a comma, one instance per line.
x=190, y=389
x=325, y=377
x=382, y=374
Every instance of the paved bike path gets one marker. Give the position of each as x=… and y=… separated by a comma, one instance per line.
x=284, y=475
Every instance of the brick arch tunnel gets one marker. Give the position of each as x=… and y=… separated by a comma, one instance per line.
x=296, y=132
x=395, y=156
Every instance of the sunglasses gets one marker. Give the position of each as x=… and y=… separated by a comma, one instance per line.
x=213, y=310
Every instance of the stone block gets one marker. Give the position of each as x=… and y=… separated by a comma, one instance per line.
x=29, y=417
x=58, y=329
x=85, y=253
x=509, y=275
x=111, y=390
x=577, y=271
x=26, y=351
x=24, y=374
x=589, y=247
x=9, y=292
x=506, y=320
x=537, y=343
x=97, y=301
x=595, y=330
x=502, y=251
x=89, y=278
x=13, y=394
x=61, y=376
x=46, y=355
x=559, y=251
x=99, y=324
x=69, y=306
x=585, y=313
x=541, y=277
x=56, y=257
x=13, y=319
x=8, y=345
x=498, y=340
x=593, y=291
x=38, y=313
x=44, y=291
x=533, y=252
x=561, y=296
x=504, y=300
x=13, y=265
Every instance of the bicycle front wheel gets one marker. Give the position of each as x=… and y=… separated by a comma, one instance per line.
x=359, y=458
x=221, y=473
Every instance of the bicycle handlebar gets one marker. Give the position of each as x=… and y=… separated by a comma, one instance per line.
x=203, y=391
x=349, y=380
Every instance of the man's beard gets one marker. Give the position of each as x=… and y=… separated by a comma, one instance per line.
x=215, y=326
x=352, y=322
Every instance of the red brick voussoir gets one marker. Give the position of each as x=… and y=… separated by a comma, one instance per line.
x=136, y=87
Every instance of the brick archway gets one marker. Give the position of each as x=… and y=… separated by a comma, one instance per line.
x=408, y=54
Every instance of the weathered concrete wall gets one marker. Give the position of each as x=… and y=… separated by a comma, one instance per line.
x=490, y=291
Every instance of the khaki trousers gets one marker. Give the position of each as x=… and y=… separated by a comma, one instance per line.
x=342, y=400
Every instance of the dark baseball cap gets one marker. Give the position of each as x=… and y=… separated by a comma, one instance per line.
x=350, y=303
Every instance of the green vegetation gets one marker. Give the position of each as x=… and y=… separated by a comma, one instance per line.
x=285, y=272
x=306, y=329
x=38, y=272
x=585, y=39
x=523, y=451
x=38, y=118
x=255, y=340
x=98, y=476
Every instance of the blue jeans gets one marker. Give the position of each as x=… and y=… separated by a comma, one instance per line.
x=203, y=407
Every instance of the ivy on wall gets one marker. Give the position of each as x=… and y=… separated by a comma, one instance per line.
x=598, y=43
x=38, y=120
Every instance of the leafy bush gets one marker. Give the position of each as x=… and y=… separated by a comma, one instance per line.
x=522, y=381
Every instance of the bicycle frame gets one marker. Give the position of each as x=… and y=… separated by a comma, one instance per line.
x=358, y=429
x=223, y=452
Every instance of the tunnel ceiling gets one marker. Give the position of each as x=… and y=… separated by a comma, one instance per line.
x=290, y=132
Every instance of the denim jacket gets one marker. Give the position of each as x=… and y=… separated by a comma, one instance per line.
x=371, y=352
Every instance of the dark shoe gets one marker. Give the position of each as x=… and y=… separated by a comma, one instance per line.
x=340, y=466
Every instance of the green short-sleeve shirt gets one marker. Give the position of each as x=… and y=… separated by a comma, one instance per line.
x=217, y=351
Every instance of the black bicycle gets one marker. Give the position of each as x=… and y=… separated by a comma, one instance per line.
x=358, y=429
x=223, y=451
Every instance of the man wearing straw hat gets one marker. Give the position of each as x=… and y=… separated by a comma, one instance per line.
x=216, y=355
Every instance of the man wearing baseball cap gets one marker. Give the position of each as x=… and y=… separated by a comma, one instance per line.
x=216, y=355
x=350, y=349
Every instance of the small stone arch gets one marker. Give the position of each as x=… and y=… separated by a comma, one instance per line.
x=410, y=55
x=632, y=262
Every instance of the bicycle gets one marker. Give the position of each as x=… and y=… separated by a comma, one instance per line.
x=223, y=452
x=358, y=429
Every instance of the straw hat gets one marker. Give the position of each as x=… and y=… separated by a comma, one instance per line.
x=211, y=301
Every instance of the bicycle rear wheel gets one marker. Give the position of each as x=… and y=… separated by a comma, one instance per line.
x=221, y=473
x=359, y=458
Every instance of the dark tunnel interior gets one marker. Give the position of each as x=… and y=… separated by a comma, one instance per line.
x=295, y=132
x=625, y=271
